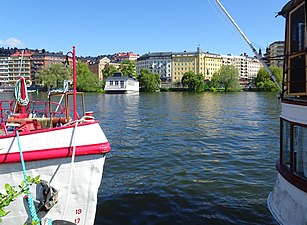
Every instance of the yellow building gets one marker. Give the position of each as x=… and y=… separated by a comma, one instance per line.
x=198, y=62
x=213, y=63
x=183, y=62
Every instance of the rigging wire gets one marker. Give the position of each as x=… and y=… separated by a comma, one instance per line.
x=225, y=20
x=221, y=15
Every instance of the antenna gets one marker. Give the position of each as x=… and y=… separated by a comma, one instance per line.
x=250, y=45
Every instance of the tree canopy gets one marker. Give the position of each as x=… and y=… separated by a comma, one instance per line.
x=109, y=71
x=86, y=80
x=227, y=77
x=149, y=82
x=194, y=82
x=54, y=76
x=264, y=82
x=128, y=68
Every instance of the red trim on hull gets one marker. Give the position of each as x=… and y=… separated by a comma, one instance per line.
x=56, y=153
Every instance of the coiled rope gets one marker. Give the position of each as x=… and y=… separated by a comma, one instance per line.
x=25, y=101
x=30, y=201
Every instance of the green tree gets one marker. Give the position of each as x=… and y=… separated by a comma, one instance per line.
x=264, y=82
x=227, y=77
x=128, y=68
x=149, y=82
x=109, y=71
x=54, y=75
x=194, y=82
x=86, y=80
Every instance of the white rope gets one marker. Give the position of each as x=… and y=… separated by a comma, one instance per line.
x=73, y=157
x=71, y=167
x=25, y=101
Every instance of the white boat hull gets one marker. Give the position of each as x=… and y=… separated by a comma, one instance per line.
x=50, y=155
x=288, y=203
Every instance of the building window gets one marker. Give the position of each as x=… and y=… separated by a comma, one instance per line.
x=111, y=82
x=116, y=82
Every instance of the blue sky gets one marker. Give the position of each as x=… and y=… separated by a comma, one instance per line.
x=99, y=27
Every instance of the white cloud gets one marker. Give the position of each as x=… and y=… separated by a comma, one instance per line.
x=12, y=42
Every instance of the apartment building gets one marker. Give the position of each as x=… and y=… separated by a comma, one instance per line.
x=25, y=62
x=183, y=62
x=97, y=66
x=248, y=66
x=158, y=62
x=173, y=65
x=213, y=63
x=274, y=54
x=4, y=70
x=19, y=64
x=41, y=59
x=122, y=56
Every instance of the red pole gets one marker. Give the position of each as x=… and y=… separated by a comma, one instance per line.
x=74, y=81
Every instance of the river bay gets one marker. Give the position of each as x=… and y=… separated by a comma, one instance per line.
x=180, y=158
x=184, y=158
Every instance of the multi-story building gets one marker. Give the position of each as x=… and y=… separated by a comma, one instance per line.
x=274, y=54
x=173, y=65
x=4, y=70
x=97, y=66
x=41, y=59
x=158, y=62
x=213, y=63
x=122, y=56
x=183, y=62
x=248, y=66
x=19, y=65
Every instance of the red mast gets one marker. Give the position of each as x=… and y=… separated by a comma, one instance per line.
x=74, y=81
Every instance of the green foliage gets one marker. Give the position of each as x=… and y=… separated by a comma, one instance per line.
x=226, y=78
x=54, y=75
x=264, y=82
x=86, y=80
x=194, y=82
x=109, y=71
x=149, y=82
x=127, y=68
x=11, y=194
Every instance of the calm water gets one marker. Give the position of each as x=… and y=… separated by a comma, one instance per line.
x=180, y=158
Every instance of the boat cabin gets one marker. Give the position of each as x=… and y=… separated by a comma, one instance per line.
x=292, y=164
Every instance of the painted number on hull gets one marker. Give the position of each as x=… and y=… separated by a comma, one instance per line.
x=78, y=212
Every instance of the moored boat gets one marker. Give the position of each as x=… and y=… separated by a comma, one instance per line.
x=288, y=200
x=66, y=147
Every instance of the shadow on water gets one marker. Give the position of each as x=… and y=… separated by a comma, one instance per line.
x=152, y=208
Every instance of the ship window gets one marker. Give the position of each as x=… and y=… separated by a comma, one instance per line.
x=286, y=143
x=297, y=38
x=300, y=151
x=297, y=74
